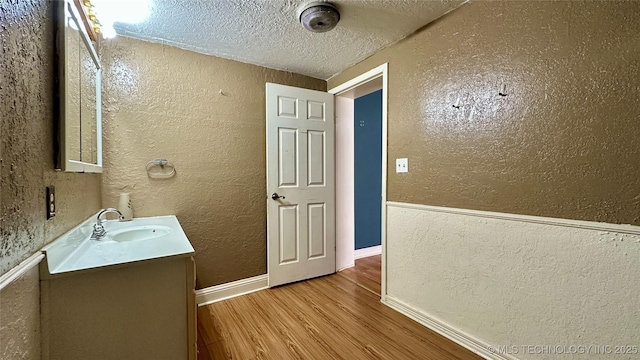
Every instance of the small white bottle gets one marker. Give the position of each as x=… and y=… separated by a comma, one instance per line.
x=124, y=206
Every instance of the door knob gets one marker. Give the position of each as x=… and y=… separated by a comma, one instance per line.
x=275, y=196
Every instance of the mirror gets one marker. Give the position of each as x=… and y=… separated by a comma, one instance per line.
x=80, y=125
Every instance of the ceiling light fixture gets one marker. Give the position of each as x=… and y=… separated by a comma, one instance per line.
x=123, y=11
x=319, y=16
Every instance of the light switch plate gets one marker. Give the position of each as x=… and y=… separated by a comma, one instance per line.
x=402, y=165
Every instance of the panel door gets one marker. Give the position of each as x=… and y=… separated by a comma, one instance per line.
x=300, y=184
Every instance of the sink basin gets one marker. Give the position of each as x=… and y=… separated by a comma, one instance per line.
x=139, y=233
x=127, y=242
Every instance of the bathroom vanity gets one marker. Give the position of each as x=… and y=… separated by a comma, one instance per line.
x=128, y=296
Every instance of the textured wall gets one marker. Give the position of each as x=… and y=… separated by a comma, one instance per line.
x=20, y=318
x=27, y=111
x=564, y=142
x=27, y=70
x=514, y=282
x=206, y=115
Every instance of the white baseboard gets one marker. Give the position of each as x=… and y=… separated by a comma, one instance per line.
x=366, y=252
x=346, y=267
x=461, y=338
x=229, y=290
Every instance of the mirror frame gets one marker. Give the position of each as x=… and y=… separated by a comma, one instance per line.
x=68, y=8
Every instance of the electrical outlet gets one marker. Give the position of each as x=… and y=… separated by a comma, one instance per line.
x=402, y=165
x=51, y=202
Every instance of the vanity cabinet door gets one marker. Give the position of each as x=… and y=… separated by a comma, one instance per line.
x=143, y=310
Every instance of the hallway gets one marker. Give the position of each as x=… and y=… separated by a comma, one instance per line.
x=366, y=273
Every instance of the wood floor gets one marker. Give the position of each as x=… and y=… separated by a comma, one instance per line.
x=324, y=318
x=366, y=273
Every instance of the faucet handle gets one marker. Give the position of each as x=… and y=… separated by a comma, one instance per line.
x=98, y=231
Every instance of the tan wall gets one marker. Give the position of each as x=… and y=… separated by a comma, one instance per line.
x=206, y=115
x=564, y=142
x=20, y=318
x=27, y=115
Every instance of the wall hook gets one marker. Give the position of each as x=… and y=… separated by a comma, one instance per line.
x=503, y=90
x=457, y=103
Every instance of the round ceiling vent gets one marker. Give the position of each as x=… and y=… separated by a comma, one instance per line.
x=319, y=17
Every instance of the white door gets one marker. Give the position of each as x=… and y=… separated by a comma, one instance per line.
x=300, y=184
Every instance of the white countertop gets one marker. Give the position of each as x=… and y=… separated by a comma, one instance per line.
x=75, y=251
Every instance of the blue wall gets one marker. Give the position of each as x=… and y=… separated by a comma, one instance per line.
x=367, y=168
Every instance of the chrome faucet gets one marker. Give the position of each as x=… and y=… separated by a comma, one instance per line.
x=98, y=229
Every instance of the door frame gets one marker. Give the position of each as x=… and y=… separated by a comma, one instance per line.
x=379, y=71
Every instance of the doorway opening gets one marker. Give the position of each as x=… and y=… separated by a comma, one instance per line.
x=361, y=168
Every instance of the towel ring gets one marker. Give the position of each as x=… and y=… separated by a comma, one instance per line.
x=167, y=169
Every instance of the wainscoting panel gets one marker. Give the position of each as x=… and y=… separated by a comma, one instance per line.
x=531, y=287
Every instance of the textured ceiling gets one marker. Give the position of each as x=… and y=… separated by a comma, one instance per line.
x=267, y=32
